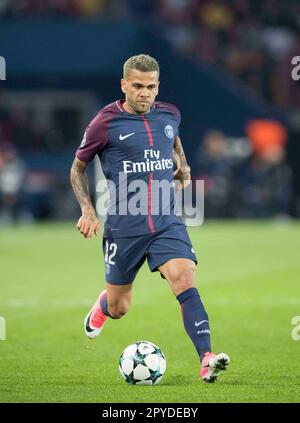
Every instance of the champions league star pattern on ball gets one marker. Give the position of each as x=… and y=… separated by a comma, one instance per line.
x=142, y=363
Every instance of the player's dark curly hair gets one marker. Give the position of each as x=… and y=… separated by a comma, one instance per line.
x=141, y=62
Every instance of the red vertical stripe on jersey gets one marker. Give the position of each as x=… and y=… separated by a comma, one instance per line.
x=150, y=178
x=148, y=130
x=150, y=203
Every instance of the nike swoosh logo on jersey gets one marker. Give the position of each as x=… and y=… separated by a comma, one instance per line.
x=122, y=137
x=199, y=323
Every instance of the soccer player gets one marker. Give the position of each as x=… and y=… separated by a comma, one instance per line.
x=138, y=137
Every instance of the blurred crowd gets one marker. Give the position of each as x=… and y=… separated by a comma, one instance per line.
x=17, y=129
x=30, y=189
x=247, y=177
x=12, y=178
x=20, y=9
x=34, y=165
x=22, y=129
x=253, y=40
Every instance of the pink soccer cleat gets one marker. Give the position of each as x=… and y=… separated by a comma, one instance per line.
x=94, y=321
x=212, y=365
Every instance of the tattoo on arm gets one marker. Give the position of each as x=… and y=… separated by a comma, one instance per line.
x=80, y=184
x=178, y=149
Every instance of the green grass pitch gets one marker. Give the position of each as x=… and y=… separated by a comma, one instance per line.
x=248, y=277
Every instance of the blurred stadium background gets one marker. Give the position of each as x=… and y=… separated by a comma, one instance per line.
x=226, y=64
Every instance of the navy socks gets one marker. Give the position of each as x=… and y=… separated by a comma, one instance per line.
x=195, y=320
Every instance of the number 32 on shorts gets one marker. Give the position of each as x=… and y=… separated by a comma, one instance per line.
x=110, y=252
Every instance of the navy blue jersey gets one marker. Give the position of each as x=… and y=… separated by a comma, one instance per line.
x=134, y=148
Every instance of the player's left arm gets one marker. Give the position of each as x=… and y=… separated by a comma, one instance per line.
x=183, y=171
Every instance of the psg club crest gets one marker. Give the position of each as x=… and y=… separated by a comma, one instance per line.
x=169, y=131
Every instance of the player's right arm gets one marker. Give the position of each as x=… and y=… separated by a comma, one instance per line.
x=88, y=224
x=94, y=141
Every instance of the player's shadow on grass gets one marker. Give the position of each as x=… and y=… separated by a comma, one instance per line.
x=232, y=382
x=176, y=381
x=180, y=380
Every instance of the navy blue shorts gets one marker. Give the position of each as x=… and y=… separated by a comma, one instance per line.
x=125, y=256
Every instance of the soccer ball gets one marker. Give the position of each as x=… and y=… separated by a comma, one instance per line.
x=142, y=363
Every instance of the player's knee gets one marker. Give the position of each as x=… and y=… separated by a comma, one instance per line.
x=118, y=310
x=184, y=279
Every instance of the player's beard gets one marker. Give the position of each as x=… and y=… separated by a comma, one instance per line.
x=141, y=107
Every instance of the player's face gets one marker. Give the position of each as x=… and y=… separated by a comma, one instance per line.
x=140, y=89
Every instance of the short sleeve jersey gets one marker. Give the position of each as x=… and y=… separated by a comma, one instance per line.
x=136, y=152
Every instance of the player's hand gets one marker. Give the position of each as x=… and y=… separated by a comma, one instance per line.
x=88, y=224
x=182, y=177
